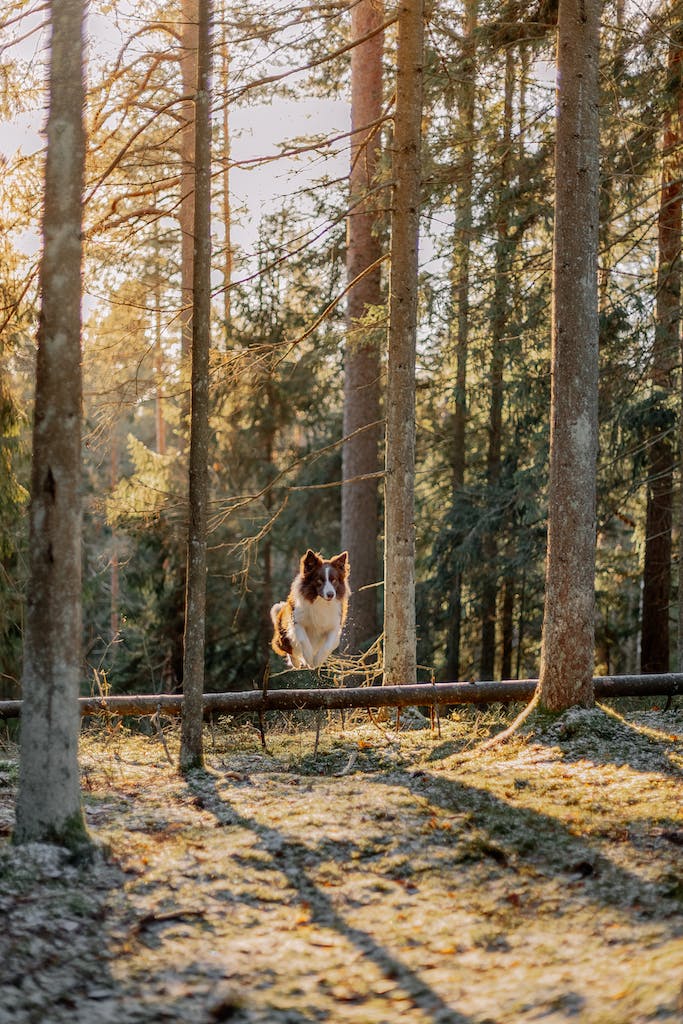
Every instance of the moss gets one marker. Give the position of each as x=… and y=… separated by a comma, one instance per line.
x=71, y=835
x=190, y=763
x=9, y=773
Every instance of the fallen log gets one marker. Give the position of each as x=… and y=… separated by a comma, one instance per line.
x=669, y=684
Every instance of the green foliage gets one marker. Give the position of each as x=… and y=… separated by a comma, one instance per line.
x=276, y=370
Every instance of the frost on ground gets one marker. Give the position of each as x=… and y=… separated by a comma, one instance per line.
x=365, y=874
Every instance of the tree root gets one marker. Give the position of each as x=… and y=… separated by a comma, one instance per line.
x=506, y=734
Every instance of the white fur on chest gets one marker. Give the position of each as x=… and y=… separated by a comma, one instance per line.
x=319, y=616
x=315, y=631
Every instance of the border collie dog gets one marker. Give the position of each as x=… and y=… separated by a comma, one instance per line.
x=308, y=624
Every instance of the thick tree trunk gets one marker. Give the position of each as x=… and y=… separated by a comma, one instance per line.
x=460, y=293
x=399, y=523
x=658, y=547
x=191, y=750
x=567, y=653
x=48, y=803
x=360, y=454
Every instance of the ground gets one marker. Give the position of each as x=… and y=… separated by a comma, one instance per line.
x=360, y=874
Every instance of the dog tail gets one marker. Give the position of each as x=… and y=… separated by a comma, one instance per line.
x=275, y=611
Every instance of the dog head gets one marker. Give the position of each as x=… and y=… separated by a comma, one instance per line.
x=324, y=577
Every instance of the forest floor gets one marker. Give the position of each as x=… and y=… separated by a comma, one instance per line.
x=365, y=875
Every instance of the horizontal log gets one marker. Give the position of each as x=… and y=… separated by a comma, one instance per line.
x=329, y=698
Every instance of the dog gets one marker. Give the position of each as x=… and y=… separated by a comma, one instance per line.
x=308, y=625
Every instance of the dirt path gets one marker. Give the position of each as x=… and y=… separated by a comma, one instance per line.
x=386, y=877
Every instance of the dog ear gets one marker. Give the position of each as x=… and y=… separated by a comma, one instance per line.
x=341, y=562
x=310, y=560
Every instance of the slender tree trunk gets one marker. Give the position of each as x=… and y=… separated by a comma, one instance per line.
x=521, y=622
x=270, y=469
x=507, y=627
x=399, y=524
x=360, y=454
x=567, y=652
x=227, y=206
x=501, y=302
x=191, y=749
x=159, y=418
x=188, y=72
x=460, y=292
x=48, y=802
x=612, y=152
x=114, y=619
x=658, y=546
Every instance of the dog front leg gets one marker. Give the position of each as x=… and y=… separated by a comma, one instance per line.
x=295, y=659
x=329, y=643
x=304, y=647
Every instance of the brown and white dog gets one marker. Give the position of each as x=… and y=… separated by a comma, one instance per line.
x=308, y=624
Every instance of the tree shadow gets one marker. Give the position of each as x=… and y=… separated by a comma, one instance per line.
x=288, y=857
x=512, y=837
x=603, y=736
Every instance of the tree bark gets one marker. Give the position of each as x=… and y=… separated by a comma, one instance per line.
x=460, y=293
x=48, y=802
x=360, y=453
x=499, y=318
x=658, y=546
x=188, y=74
x=507, y=627
x=399, y=522
x=227, y=206
x=191, y=749
x=567, y=651
x=159, y=417
x=247, y=701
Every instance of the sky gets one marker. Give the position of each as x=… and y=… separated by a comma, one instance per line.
x=256, y=131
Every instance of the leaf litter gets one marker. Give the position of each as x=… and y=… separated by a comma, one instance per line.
x=360, y=873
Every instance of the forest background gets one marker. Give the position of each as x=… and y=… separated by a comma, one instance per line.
x=282, y=332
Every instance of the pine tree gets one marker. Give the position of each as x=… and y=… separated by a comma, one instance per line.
x=567, y=655
x=666, y=348
x=360, y=462
x=399, y=524
x=191, y=747
x=48, y=800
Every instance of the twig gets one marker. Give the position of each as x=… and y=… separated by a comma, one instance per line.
x=377, y=726
x=264, y=692
x=156, y=721
x=350, y=763
x=505, y=735
x=436, y=713
x=318, y=720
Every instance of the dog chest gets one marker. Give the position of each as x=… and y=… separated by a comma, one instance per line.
x=318, y=616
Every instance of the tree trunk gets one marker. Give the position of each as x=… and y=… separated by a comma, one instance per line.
x=188, y=73
x=460, y=292
x=159, y=418
x=567, y=651
x=399, y=523
x=658, y=547
x=191, y=749
x=114, y=619
x=48, y=802
x=360, y=454
x=227, y=206
x=507, y=627
x=499, y=320
x=421, y=694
